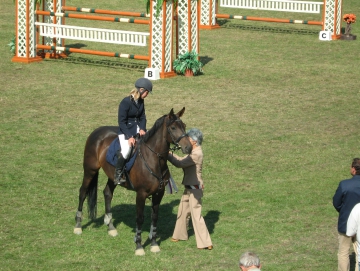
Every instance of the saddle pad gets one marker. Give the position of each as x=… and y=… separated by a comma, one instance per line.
x=111, y=156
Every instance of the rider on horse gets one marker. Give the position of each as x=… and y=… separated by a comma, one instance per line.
x=132, y=121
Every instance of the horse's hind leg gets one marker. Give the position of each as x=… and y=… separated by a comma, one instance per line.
x=90, y=177
x=156, y=199
x=108, y=195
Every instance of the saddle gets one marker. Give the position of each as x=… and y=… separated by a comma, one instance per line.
x=111, y=156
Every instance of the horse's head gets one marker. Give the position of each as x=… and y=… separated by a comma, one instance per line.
x=176, y=131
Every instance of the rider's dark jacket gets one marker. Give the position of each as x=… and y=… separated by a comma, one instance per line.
x=130, y=115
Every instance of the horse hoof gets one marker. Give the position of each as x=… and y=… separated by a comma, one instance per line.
x=155, y=249
x=140, y=252
x=78, y=231
x=113, y=233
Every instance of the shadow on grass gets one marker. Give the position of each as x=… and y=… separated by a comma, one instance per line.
x=228, y=24
x=211, y=218
x=111, y=62
x=105, y=63
x=76, y=45
x=126, y=213
x=205, y=59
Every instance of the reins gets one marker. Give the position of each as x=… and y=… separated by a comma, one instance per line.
x=161, y=178
x=160, y=155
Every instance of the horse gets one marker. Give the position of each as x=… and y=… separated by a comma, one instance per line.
x=148, y=175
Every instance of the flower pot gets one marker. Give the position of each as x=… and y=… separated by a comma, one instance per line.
x=189, y=73
x=348, y=37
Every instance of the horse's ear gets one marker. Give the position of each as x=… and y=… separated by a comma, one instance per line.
x=171, y=115
x=181, y=112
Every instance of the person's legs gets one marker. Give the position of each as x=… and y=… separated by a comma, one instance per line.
x=343, y=252
x=356, y=250
x=122, y=154
x=202, y=235
x=180, y=231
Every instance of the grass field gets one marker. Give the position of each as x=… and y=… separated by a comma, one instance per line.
x=280, y=114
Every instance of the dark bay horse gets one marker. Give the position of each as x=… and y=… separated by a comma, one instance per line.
x=148, y=175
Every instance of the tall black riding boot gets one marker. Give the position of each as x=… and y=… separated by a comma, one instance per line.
x=119, y=169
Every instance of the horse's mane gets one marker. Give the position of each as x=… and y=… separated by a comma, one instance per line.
x=158, y=123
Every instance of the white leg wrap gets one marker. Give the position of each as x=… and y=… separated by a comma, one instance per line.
x=152, y=231
x=107, y=218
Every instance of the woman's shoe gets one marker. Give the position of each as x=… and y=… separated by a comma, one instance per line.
x=174, y=240
x=208, y=248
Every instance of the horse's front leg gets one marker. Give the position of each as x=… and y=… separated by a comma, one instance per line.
x=156, y=199
x=108, y=195
x=140, y=205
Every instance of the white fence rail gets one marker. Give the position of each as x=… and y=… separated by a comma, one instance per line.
x=275, y=5
x=93, y=34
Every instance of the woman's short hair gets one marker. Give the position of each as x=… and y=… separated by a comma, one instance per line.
x=249, y=259
x=196, y=135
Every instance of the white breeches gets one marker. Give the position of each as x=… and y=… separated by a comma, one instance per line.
x=124, y=144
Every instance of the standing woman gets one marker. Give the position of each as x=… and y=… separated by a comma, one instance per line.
x=190, y=203
x=132, y=121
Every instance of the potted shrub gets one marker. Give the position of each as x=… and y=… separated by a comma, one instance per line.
x=12, y=45
x=188, y=64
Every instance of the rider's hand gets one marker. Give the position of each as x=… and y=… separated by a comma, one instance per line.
x=142, y=132
x=131, y=141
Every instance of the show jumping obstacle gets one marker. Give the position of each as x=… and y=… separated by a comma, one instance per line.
x=331, y=17
x=91, y=52
x=86, y=17
x=54, y=32
x=188, y=21
x=92, y=34
x=104, y=11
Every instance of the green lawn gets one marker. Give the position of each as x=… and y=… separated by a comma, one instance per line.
x=280, y=116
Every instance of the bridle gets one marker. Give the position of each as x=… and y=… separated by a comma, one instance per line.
x=159, y=155
x=175, y=142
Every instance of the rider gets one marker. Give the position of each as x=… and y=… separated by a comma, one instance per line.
x=132, y=121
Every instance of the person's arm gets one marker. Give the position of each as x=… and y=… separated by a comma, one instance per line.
x=337, y=199
x=142, y=120
x=124, y=108
x=353, y=222
x=181, y=162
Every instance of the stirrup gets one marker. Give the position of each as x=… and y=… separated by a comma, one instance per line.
x=118, y=179
x=119, y=182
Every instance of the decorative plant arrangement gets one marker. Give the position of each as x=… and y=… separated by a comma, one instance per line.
x=158, y=6
x=349, y=19
x=188, y=64
x=12, y=45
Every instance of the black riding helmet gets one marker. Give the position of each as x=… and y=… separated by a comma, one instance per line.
x=144, y=83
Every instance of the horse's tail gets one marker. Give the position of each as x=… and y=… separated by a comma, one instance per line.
x=92, y=196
